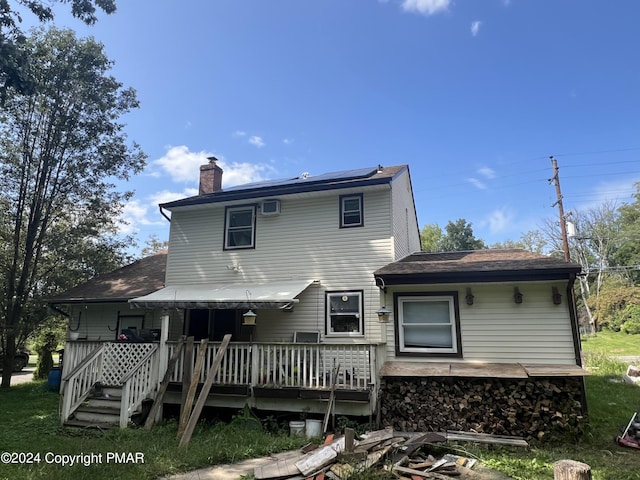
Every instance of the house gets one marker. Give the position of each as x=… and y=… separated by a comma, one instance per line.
x=317, y=281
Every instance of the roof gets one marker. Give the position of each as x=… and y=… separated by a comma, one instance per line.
x=276, y=294
x=492, y=265
x=377, y=175
x=138, y=278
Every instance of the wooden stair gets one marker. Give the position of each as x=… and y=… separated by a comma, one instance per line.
x=100, y=410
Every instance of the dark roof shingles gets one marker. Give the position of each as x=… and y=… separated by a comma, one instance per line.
x=491, y=260
x=139, y=278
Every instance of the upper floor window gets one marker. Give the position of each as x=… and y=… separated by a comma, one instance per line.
x=351, y=211
x=344, y=313
x=429, y=324
x=240, y=227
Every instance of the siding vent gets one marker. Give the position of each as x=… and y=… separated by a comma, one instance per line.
x=270, y=207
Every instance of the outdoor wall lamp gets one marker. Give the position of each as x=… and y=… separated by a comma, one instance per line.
x=556, y=296
x=383, y=314
x=249, y=318
x=469, y=297
x=517, y=296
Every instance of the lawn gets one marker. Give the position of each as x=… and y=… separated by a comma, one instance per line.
x=30, y=426
x=612, y=344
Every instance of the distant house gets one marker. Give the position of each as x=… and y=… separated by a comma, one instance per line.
x=317, y=281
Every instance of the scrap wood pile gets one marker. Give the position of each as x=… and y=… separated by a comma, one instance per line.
x=404, y=455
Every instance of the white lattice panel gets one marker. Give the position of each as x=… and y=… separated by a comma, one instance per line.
x=120, y=358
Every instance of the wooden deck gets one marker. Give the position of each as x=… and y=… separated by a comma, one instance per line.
x=478, y=370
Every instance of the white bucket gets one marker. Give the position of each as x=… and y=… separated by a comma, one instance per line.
x=313, y=428
x=296, y=429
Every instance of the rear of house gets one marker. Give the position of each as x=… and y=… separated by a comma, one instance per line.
x=315, y=279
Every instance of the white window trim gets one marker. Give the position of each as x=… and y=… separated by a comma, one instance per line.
x=227, y=222
x=452, y=318
x=360, y=314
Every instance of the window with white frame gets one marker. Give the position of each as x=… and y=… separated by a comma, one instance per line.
x=344, y=313
x=240, y=227
x=429, y=324
x=351, y=211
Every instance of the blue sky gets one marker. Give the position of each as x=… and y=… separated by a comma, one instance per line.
x=474, y=95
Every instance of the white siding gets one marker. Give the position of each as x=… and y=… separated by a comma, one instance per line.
x=496, y=329
x=406, y=239
x=303, y=242
x=99, y=322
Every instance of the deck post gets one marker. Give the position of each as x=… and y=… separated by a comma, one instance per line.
x=163, y=355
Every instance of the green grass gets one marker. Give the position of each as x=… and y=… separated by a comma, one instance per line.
x=612, y=344
x=30, y=424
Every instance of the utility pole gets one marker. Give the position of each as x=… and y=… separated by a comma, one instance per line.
x=563, y=219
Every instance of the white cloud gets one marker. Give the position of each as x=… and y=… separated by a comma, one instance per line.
x=256, y=141
x=475, y=27
x=288, y=141
x=499, y=220
x=477, y=183
x=134, y=214
x=239, y=133
x=425, y=7
x=487, y=172
x=181, y=164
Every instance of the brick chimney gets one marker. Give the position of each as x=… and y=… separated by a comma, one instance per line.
x=210, y=177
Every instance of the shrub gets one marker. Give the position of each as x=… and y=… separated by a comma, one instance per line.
x=630, y=317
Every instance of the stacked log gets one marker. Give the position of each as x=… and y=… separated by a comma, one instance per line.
x=540, y=408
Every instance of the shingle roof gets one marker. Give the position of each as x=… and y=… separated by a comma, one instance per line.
x=139, y=278
x=287, y=186
x=475, y=265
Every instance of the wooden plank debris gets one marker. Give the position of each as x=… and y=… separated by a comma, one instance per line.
x=157, y=401
x=193, y=420
x=403, y=454
x=187, y=407
x=486, y=438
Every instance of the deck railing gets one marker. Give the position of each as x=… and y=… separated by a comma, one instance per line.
x=303, y=365
x=132, y=366
x=77, y=384
x=138, y=384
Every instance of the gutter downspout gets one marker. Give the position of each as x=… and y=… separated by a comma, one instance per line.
x=164, y=214
x=576, y=338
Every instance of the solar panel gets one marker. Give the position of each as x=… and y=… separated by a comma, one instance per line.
x=325, y=177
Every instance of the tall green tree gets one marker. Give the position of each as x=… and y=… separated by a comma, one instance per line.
x=15, y=65
x=628, y=252
x=62, y=148
x=430, y=237
x=459, y=236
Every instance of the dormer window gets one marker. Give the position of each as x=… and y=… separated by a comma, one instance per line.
x=240, y=227
x=351, y=211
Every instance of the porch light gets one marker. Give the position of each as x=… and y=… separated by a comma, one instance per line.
x=517, y=296
x=249, y=318
x=555, y=295
x=383, y=314
x=469, y=297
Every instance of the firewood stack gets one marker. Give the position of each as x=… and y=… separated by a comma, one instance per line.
x=540, y=408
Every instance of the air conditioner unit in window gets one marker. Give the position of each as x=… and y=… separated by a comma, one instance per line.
x=270, y=207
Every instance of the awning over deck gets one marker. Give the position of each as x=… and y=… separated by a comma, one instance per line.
x=272, y=295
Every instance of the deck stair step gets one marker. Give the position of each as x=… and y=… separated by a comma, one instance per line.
x=85, y=424
x=101, y=408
